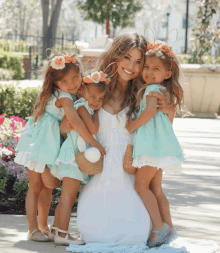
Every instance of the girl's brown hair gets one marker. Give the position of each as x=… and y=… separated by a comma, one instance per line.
x=119, y=48
x=172, y=84
x=49, y=85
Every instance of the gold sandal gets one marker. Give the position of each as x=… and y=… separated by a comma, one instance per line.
x=38, y=236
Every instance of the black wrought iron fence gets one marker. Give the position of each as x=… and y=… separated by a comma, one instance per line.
x=31, y=47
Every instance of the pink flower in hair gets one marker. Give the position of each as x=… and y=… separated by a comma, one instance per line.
x=103, y=77
x=107, y=81
x=87, y=80
x=150, y=46
x=96, y=77
x=58, y=62
x=73, y=59
x=68, y=59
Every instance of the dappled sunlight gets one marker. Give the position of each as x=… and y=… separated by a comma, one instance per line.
x=194, y=194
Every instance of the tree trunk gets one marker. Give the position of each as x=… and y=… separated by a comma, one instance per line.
x=49, y=32
x=45, y=13
x=107, y=26
x=52, y=29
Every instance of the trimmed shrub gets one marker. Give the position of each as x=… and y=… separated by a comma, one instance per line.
x=13, y=63
x=17, y=101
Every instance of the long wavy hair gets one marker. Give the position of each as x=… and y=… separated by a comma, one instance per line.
x=119, y=48
x=49, y=85
x=172, y=84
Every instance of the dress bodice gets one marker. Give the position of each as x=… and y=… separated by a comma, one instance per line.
x=108, y=121
x=112, y=134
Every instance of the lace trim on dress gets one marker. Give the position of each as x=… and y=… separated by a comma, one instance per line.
x=23, y=159
x=158, y=162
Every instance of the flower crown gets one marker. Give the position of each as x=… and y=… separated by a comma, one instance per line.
x=96, y=77
x=59, y=61
x=162, y=46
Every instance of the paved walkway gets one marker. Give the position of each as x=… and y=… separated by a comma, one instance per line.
x=194, y=194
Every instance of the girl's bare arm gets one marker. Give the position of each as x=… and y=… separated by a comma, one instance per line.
x=77, y=123
x=91, y=122
x=145, y=116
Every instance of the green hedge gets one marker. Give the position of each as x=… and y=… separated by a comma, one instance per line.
x=17, y=101
x=13, y=63
x=14, y=46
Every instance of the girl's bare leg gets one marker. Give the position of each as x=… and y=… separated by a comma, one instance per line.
x=35, y=187
x=69, y=192
x=163, y=203
x=44, y=202
x=142, y=182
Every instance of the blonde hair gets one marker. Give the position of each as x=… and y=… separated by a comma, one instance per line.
x=172, y=84
x=119, y=48
x=49, y=85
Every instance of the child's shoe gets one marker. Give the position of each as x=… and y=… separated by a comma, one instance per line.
x=37, y=235
x=172, y=235
x=161, y=235
x=65, y=241
x=51, y=235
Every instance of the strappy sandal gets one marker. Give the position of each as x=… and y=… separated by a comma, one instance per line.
x=65, y=241
x=161, y=235
x=172, y=235
x=37, y=235
x=50, y=234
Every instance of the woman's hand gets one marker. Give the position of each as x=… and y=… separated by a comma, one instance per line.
x=65, y=126
x=163, y=104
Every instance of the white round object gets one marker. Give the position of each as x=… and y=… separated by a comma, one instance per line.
x=92, y=155
x=81, y=144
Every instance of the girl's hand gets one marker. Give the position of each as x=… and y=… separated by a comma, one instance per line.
x=97, y=145
x=65, y=126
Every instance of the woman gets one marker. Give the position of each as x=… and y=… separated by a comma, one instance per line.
x=109, y=209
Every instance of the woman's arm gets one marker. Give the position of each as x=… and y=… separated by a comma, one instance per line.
x=146, y=115
x=78, y=125
x=163, y=104
x=91, y=122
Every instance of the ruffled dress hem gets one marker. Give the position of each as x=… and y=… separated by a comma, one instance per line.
x=170, y=164
x=22, y=158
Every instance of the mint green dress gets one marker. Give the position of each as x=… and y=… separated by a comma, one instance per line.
x=66, y=165
x=40, y=142
x=155, y=143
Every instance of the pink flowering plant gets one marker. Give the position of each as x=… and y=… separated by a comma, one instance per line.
x=13, y=177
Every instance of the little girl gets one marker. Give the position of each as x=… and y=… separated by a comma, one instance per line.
x=39, y=144
x=155, y=144
x=66, y=168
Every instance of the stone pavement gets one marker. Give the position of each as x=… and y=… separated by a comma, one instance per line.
x=194, y=194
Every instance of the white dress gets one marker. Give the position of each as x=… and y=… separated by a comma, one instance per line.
x=111, y=216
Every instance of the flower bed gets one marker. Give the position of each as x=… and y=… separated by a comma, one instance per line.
x=13, y=177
